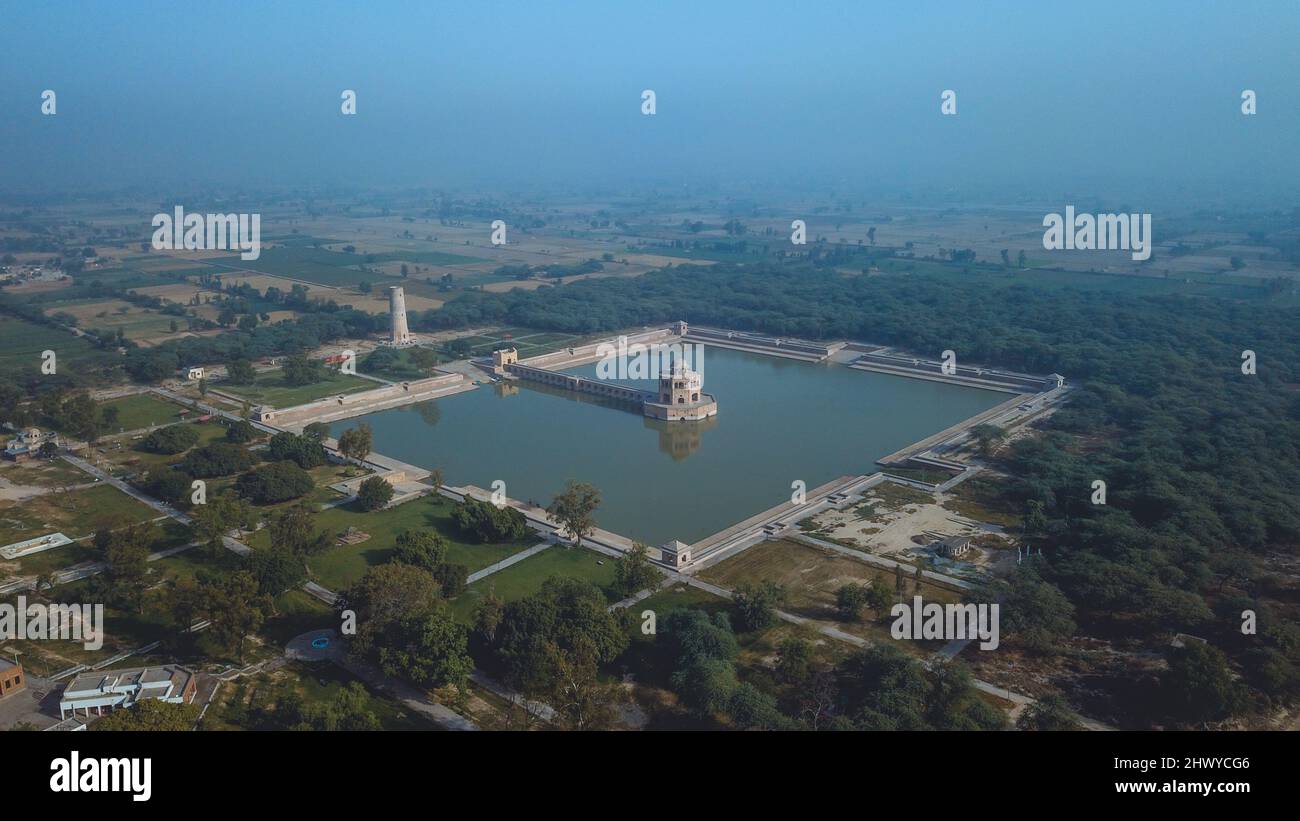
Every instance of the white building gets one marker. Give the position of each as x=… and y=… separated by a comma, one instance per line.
x=122, y=688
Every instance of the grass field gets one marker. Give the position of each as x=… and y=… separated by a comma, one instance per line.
x=21, y=344
x=75, y=513
x=526, y=577
x=344, y=564
x=129, y=458
x=115, y=314
x=269, y=389
x=142, y=410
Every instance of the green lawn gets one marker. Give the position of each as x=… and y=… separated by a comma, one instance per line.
x=526, y=577
x=269, y=389
x=344, y=564
x=142, y=410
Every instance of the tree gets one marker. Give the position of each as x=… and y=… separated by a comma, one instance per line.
x=423, y=358
x=986, y=437
x=1049, y=713
x=241, y=432
x=304, y=451
x=277, y=569
x=317, y=431
x=794, y=661
x=756, y=604
x=850, y=599
x=436, y=479
x=706, y=685
x=432, y=651
x=574, y=510
x=216, y=459
x=565, y=612
x=387, y=595
x=486, y=523
x=294, y=528
x=374, y=493
x=211, y=521
x=170, y=440
x=580, y=699
x=149, y=715
x=421, y=548
x=236, y=608
x=1034, y=612
x=355, y=443
x=128, y=565
x=633, y=571
x=274, y=483
x=1199, y=686
x=298, y=369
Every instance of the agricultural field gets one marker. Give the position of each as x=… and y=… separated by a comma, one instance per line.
x=335, y=269
x=21, y=344
x=134, y=322
x=269, y=388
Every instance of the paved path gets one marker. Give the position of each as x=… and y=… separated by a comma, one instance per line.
x=506, y=562
x=160, y=506
x=324, y=594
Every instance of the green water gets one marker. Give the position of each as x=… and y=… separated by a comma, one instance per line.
x=779, y=420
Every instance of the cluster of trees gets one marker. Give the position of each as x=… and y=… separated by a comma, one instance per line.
x=170, y=440
x=304, y=450
x=274, y=482
x=405, y=626
x=551, y=645
x=427, y=550
x=486, y=523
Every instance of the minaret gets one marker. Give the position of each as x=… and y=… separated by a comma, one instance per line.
x=397, y=312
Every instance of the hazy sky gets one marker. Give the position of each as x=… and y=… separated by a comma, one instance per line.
x=538, y=93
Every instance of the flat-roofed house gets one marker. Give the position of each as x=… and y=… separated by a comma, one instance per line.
x=11, y=678
x=123, y=688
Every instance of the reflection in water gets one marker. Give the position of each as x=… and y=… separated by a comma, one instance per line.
x=505, y=388
x=429, y=412
x=576, y=396
x=680, y=439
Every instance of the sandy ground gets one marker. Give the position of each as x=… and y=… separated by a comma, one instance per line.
x=12, y=492
x=902, y=529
